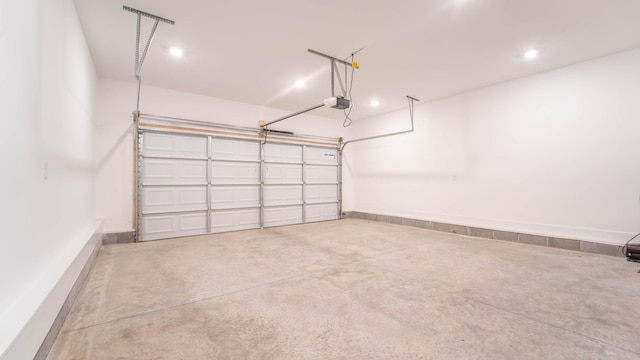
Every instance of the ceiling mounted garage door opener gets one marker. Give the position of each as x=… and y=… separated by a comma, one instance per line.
x=336, y=102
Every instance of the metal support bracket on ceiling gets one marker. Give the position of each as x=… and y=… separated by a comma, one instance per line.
x=334, y=70
x=411, y=99
x=140, y=59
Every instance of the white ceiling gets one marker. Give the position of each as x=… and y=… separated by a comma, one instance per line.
x=254, y=51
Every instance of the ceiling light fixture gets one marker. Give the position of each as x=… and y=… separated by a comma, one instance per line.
x=531, y=54
x=176, y=52
x=375, y=103
x=300, y=84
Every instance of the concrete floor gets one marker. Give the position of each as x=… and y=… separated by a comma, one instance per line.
x=352, y=289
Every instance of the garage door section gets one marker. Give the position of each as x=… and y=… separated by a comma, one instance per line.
x=191, y=184
x=300, y=184
x=321, y=184
x=173, y=175
x=282, y=184
x=234, y=184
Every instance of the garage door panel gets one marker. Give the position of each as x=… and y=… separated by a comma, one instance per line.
x=223, y=172
x=282, y=174
x=324, y=156
x=227, y=149
x=229, y=197
x=282, y=194
x=283, y=215
x=173, y=225
x=321, y=212
x=174, y=199
x=315, y=174
x=173, y=171
x=174, y=145
x=222, y=221
x=283, y=153
x=321, y=193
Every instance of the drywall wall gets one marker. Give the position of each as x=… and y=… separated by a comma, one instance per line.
x=47, y=83
x=553, y=154
x=114, y=135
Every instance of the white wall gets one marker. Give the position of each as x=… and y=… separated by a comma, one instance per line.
x=114, y=141
x=553, y=154
x=47, y=85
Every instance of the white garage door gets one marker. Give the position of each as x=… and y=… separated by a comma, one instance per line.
x=197, y=184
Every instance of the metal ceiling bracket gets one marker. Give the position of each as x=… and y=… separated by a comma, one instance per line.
x=355, y=65
x=335, y=67
x=411, y=99
x=140, y=14
x=139, y=59
x=334, y=70
x=146, y=14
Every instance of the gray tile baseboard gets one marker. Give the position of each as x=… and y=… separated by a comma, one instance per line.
x=559, y=243
x=118, y=238
x=47, y=344
x=102, y=239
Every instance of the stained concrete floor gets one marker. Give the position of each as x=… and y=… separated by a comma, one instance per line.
x=352, y=289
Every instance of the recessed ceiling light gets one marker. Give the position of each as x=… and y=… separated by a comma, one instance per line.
x=176, y=52
x=375, y=103
x=531, y=54
x=300, y=84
